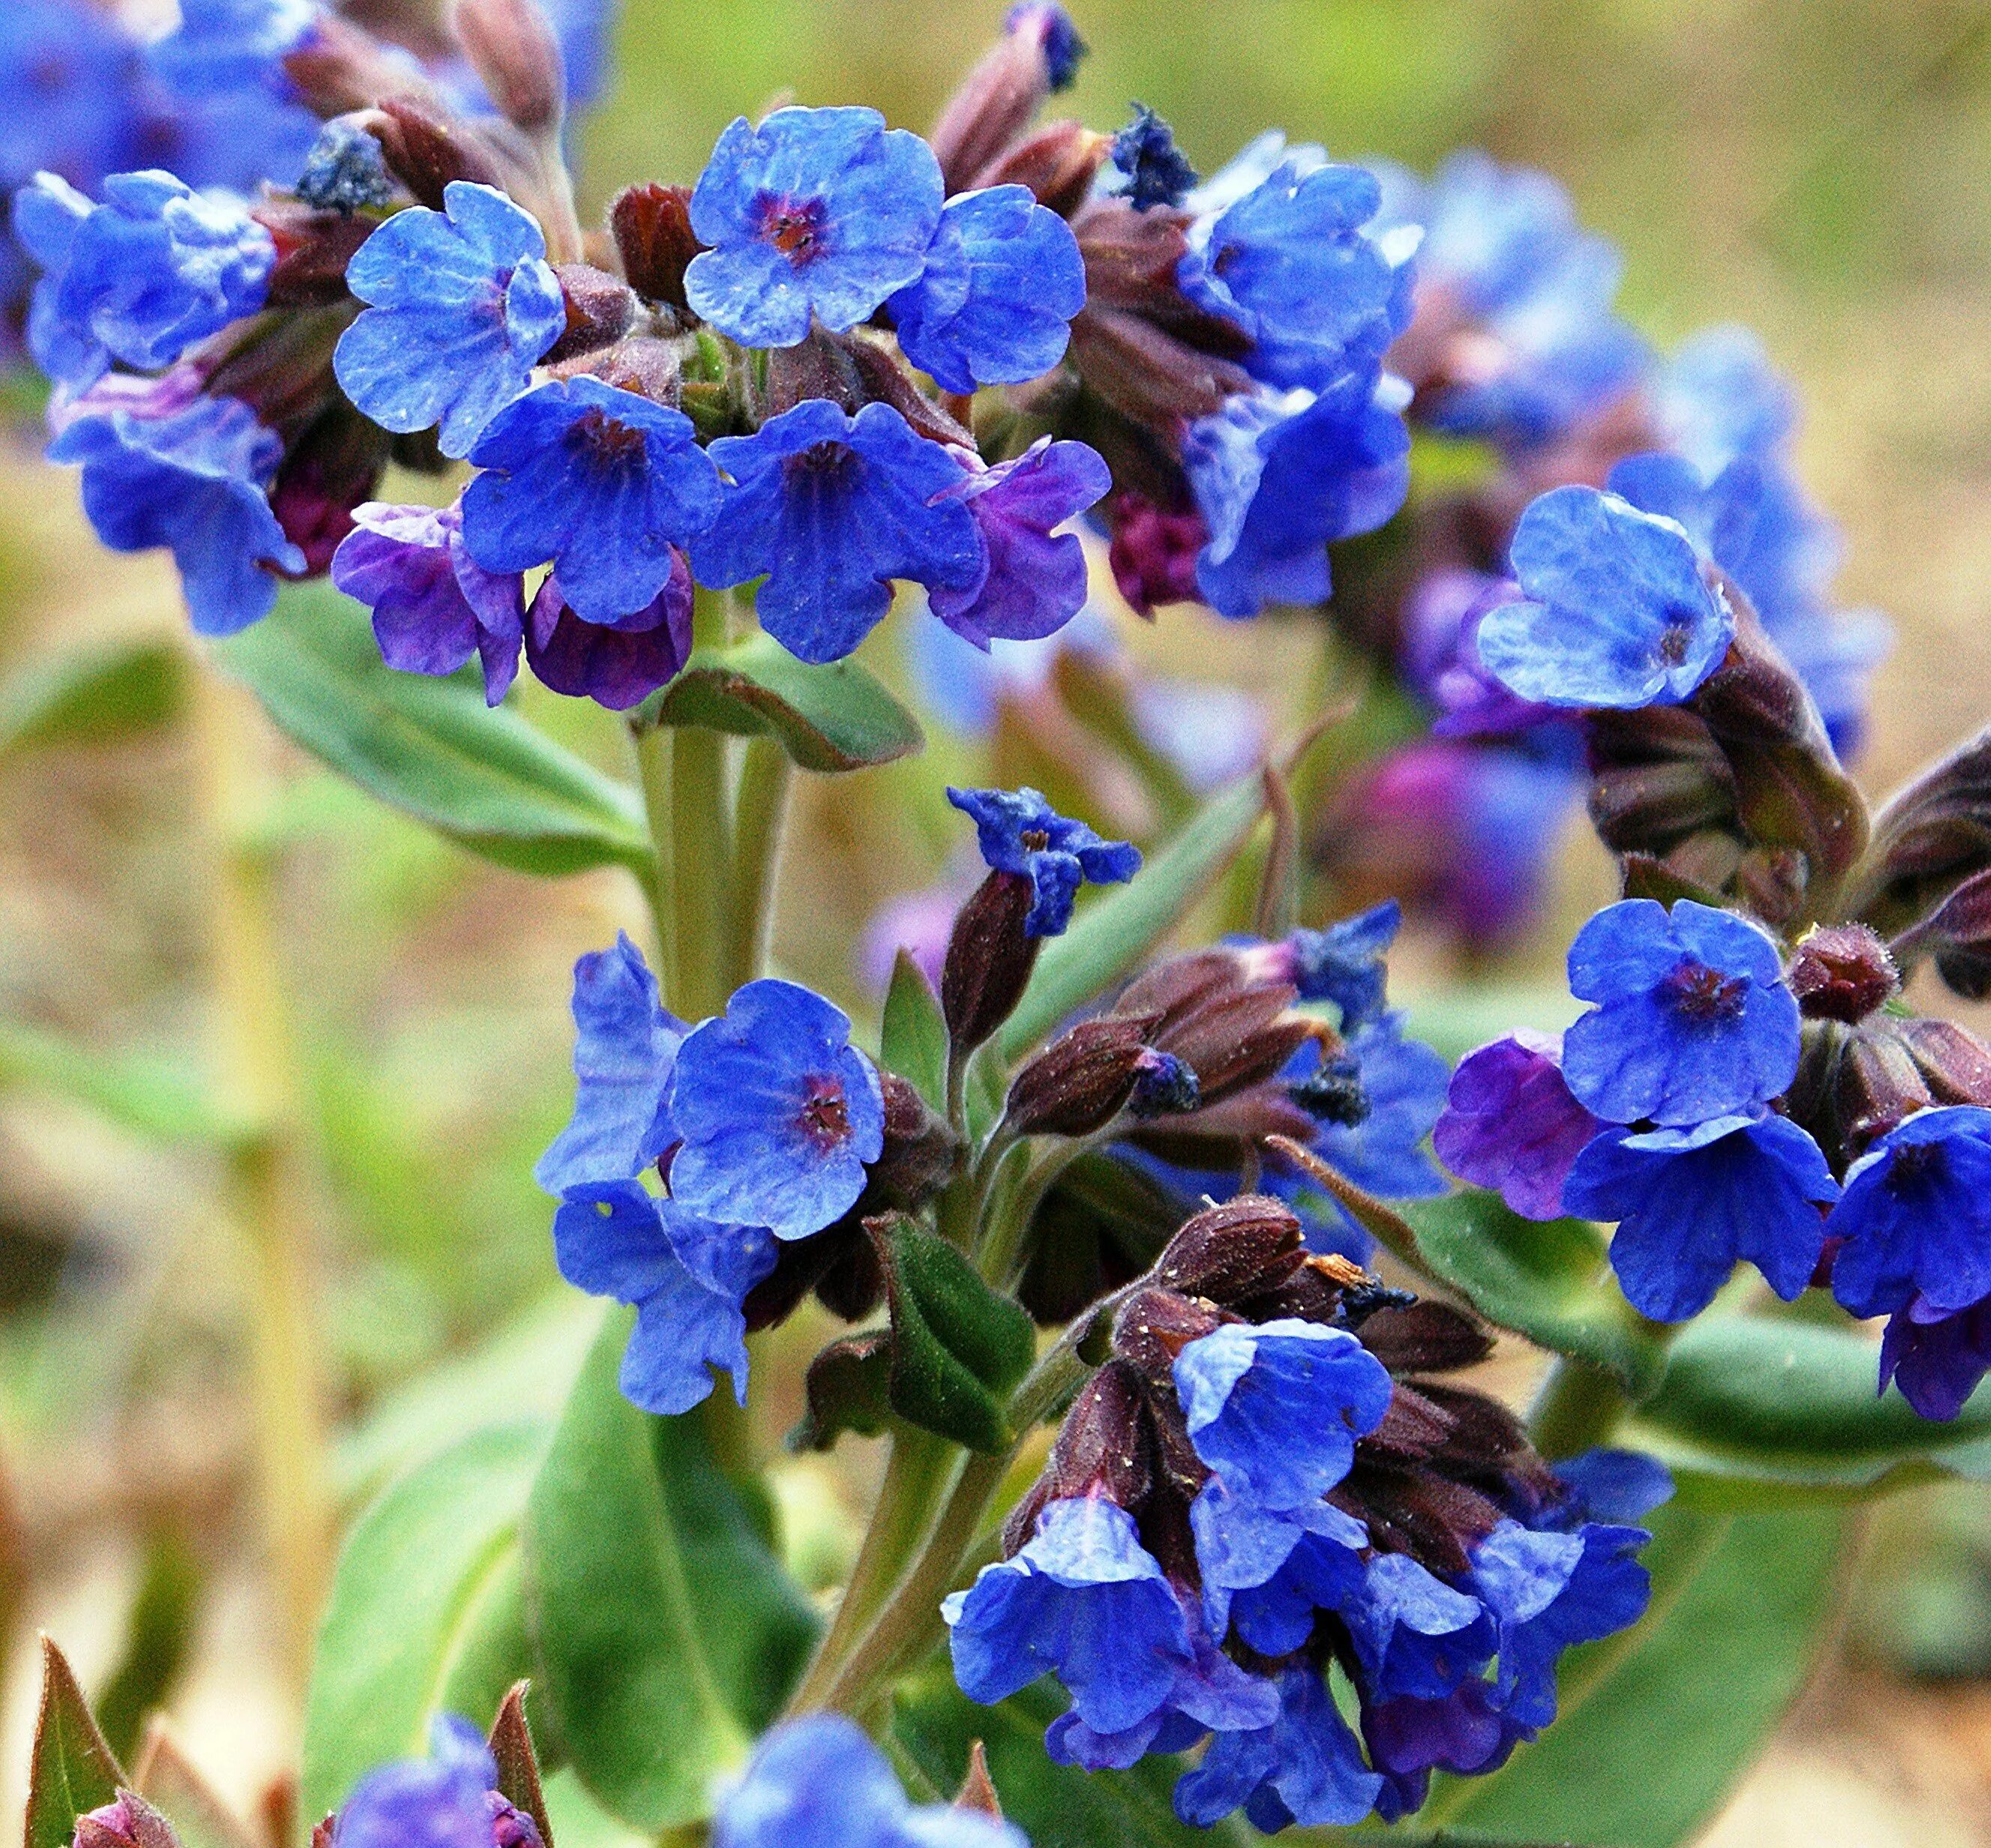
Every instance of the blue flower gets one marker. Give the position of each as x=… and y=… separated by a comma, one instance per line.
x=447, y=1800
x=221, y=45
x=1693, y=1018
x=1690, y=1203
x=1289, y=264
x=687, y=1277
x=1306, y=1767
x=346, y=171
x=462, y=302
x=598, y=482
x=1020, y=832
x=618, y=664
x=779, y=1113
x=1152, y=169
x=1346, y=964
x=1063, y=47
x=1002, y=279
x=1937, y=1356
x=1719, y=399
x=1511, y=1124
x=1403, y=1084
x=139, y=278
x=818, y=1782
x=1548, y=1592
x=832, y=507
x=821, y=213
x=1617, y=1486
x=625, y=1045
x=1036, y=582
x=1266, y=1572
x=1084, y=1600
x=194, y=481
x=434, y=605
x=1278, y=475
x=1275, y=1410
x=1414, y=1634
x=1615, y=612
x=1916, y=1217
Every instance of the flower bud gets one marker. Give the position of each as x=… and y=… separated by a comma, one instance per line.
x=1105, y=1447
x=426, y=150
x=1231, y=1252
x=1082, y=1080
x=313, y=249
x=881, y=379
x=511, y=46
x=1842, y=972
x=1059, y=164
x=1234, y=1029
x=643, y=364
x=1853, y=1085
x=1148, y=375
x=989, y=959
x=1217, y=1136
x=1038, y=53
x=919, y=1153
x=129, y=1822
x=334, y=466
x=1154, y=1326
x=599, y=310
x=651, y=227
x=1953, y=1062
x=338, y=67
x=1153, y=551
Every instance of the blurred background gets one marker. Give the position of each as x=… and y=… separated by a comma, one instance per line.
x=1821, y=171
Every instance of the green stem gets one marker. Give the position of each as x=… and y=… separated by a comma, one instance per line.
x=267, y=1176
x=766, y=777
x=653, y=763
x=1577, y=1407
x=702, y=865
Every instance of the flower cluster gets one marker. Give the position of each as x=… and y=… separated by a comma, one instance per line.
x=450, y=1798
x=1265, y=1492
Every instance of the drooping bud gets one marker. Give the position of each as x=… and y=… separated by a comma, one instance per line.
x=426, y=150
x=1059, y=164
x=919, y=1153
x=1234, y=1029
x=1154, y=1326
x=1842, y=972
x=1231, y=1252
x=1082, y=1080
x=1038, y=53
x=511, y=46
x=333, y=467
x=651, y=227
x=989, y=960
x=1953, y=1061
x=1105, y=1448
x=1958, y=934
x=599, y=310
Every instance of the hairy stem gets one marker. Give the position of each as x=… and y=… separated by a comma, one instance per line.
x=268, y=1175
x=1577, y=1407
x=701, y=867
x=654, y=756
x=766, y=777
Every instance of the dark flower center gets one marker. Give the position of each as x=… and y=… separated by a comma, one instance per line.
x=1672, y=643
x=794, y=227
x=1706, y=995
x=824, y=1120
x=1034, y=840
x=606, y=441
x=831, y=462
x=1916, y=1164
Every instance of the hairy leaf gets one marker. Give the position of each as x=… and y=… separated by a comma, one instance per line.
x=72, y=1770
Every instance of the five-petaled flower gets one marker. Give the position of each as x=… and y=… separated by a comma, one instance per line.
x=1020, y=832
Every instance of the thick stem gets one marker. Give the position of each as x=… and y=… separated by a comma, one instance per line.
x=766, y=775
x=1577, y=1408
x=268, y=1184
x=701, y=867
x=653, y=763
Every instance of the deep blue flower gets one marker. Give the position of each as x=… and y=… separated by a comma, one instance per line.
x=447, y=1800
x=221, y=45
x=1937, y=1356
x=462, y=302
x=1414, y=1634
x=832, y=507
x=600, y=483
x=1916, y=1217
x=625, y=1045
x=818, y=1782
x=1278, y=475
x=1346, y=963
x=1306, y=1767
x=1084, y=1600
x=686, y=1276
x=1690, y=1203
x=194, y=481
x=818, y=212
x=346, y=171
x=1694, y=1019
x=777, y=1111
x=1511, y=1123
x=618, y=664
x=1409, y=1736
x=1275, y=1409
x=1019, y=832
x=1403, y=1083
x=1548, y=1592
x=1617, y=1486
x=1153, y=170
x=1036, y=582
x=1266, y=1572
x=434, y=605
x=1002, y=279
x=1063, y=47
x=139, y=278
x=1614, y=613
x=1289, y=264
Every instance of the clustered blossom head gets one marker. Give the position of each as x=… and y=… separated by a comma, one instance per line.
x=450, y=1798
x=1267, y=1492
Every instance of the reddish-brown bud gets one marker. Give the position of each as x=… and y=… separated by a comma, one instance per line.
x=1148, y=375
x=511, y=46
x=339, y=67
x=651, y=227
x=1058, y=163
x=996, y=102
x=334, y=466
x=1842, y=972
x=989, y=959
x=1106, y=1446
x=599, y=310
x=313, y=249
x=919, y=1153
x=1953, y=1062
x=1082, y=1080
x=644, y=365
x=1154, y=1325
x=1231, y=1252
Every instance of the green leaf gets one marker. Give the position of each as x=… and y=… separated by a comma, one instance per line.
x=73, y=1771
x=1657, y=1724
x=833, y=718
x=518, y=1760
x=913, y=1044
x=957, y=1347
x=1754, y=1408
x=430, y=747
x=668, y=1631
x=93, y=696
x=157, y=1098
x=1116, y=931
x=157, y=1641
x=425, y=1596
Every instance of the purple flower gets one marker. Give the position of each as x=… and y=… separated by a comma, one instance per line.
x=1690, y=1203
x=1694, y=1019
x=1306, y=1767
x=687, y=1277
x=434, y=605
x=1511, y=1124
x=194, y=481
x=832, y=507
x=462, y=302
x=818, y=213
x=1036, y=582
x=1915, y=1220
x=604, y=486
x=1937, y=1356
x=447, y=1800
x=1020, y=832
x=818, y=1782
x=777, y=1111
x=1003, y=278
x=625, y=1045
x=139, y=278
x=618, y=664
